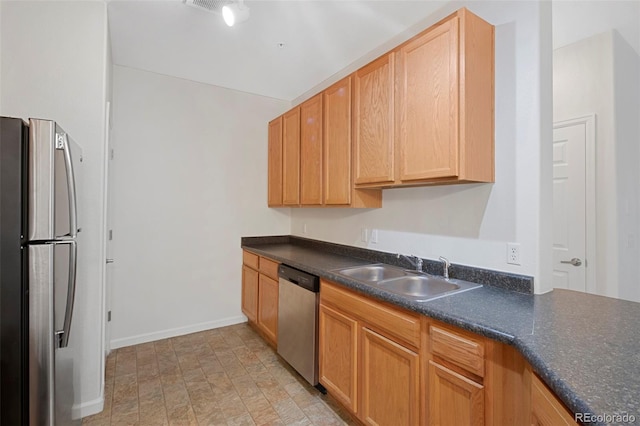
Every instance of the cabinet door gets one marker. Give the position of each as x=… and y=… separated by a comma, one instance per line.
x=453, y=398
x=275, y=163
x=337, y=355
x=546, y=410
x=373, y=122
x=250, y=293
x=268, y=307
x=390, y=382
x=337, y=143
x=427, y=104
x=291, y=157
x=311, y=151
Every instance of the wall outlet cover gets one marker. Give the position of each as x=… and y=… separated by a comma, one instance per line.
x=513, y=253
x=374, y=236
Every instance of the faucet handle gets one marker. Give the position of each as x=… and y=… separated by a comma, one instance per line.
x=447, y=264
x=419, y=263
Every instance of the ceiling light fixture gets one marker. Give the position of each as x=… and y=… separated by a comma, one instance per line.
x=235, y=13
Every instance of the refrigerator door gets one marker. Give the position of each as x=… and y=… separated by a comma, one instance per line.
x=51, y=294
x=52, y=187
x=41, y=335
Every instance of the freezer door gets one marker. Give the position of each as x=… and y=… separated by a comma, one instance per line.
x=53, y=159
x=51, y=352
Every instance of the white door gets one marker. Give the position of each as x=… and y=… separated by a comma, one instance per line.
x=573, y=174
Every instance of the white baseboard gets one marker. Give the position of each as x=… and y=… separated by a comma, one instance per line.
x=88, y=408
x=173, y=332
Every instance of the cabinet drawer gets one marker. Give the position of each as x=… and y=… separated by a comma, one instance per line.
x=462, y=350
x=269, y=268
x=250, y=259
x=395, y=322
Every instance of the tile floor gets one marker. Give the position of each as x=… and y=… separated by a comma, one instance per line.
x=226, y=376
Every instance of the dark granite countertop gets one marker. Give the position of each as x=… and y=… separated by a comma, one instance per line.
x=586, y=348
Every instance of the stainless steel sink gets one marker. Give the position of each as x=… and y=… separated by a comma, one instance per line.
x=373, y=273
x=426, y=287
x=415, y=285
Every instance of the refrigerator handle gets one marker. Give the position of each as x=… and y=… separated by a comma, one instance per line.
x=63, y=335
x=71, y=185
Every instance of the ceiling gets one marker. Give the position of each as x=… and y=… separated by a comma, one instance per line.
x=320, y=38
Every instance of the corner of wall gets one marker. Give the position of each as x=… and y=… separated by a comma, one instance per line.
x=544, y=275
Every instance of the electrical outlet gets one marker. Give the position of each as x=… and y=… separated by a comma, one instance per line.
x=374, y=236
x=364, y=235
x=304, y=228
x=513, y=253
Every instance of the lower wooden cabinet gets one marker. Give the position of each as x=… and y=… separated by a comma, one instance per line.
x=268, y=307
x=338, y=342
x=546, y=409
x=260, y=294
x=375, y=376
x=453, y=398
x=250, y=292
x=390, y=366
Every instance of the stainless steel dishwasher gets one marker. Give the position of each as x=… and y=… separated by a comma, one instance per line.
x=298, y=321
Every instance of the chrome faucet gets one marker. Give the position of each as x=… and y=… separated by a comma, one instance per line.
x=415, y=261
x=446, y=265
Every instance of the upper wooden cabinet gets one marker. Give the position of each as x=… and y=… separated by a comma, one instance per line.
x=311, y=151
x=421, y=114
x=316, y=154
x=274, y=197
x=291, y=157
x=337, y=144
x=339, y=189
x=427, y=104
x=373, y=122
x=443, y=107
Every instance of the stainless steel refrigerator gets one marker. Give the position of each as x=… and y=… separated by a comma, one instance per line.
x=39, y=166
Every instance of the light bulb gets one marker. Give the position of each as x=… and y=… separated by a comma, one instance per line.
x=228, y=15
x=235, y=13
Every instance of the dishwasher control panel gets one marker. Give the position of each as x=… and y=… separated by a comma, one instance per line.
x=300, y=278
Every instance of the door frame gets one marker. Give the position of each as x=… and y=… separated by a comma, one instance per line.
x=106, y=290
x=589, y=122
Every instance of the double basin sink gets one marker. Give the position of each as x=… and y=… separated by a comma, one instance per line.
x=415, y=285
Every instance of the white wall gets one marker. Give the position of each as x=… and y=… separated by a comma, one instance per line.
x=601, y=74
x=53, y=59
x=583, y=85
x=189, y=180
x=577, y=20
x=626, y=69
x=470, y=224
